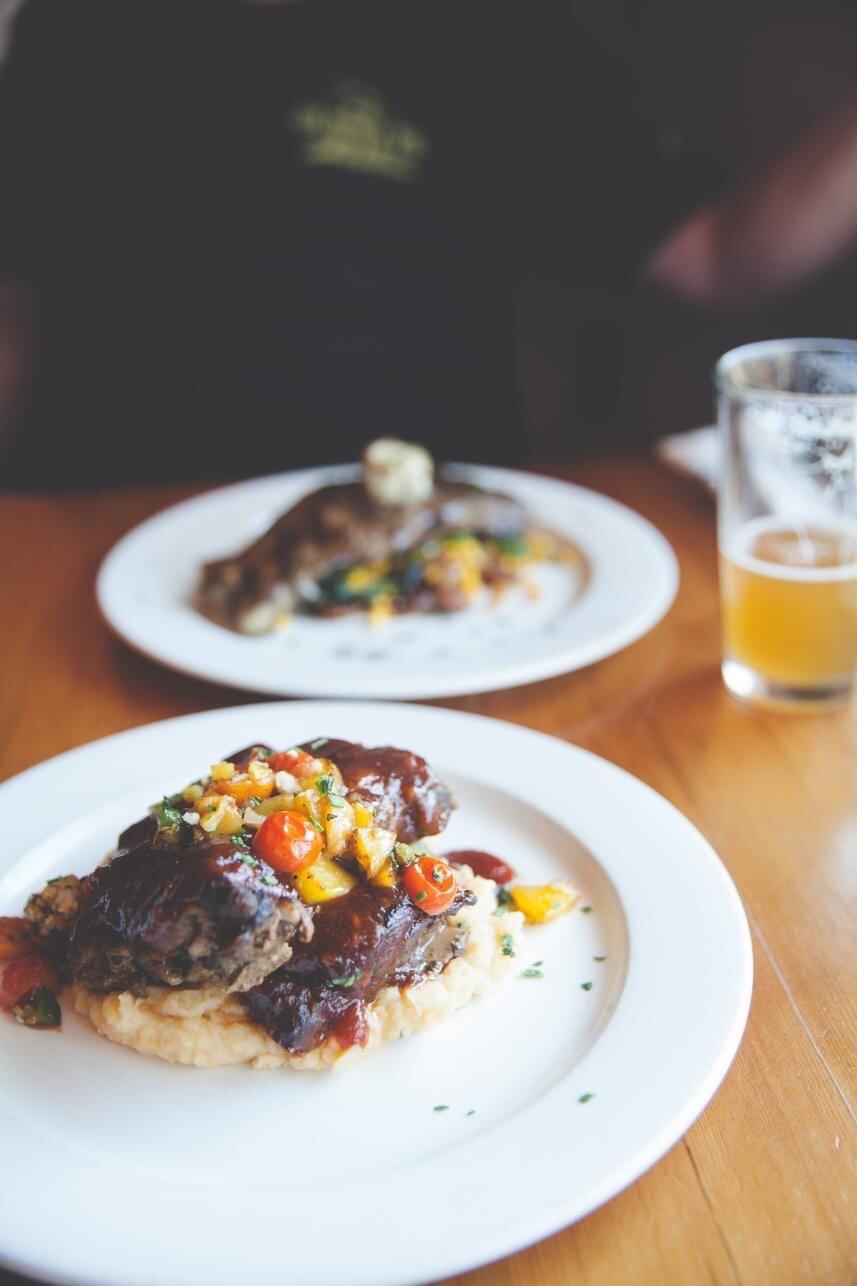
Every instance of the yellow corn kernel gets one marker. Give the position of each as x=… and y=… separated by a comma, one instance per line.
x=191, y=794
x=386, y=877
x=541, y=903
x=372, y=846
x=323, y=881
x=222, y=771
x=362, y=814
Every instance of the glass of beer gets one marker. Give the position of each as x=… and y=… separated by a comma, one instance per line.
x=787, y=521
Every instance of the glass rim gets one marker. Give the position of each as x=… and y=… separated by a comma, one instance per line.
x=725, y=383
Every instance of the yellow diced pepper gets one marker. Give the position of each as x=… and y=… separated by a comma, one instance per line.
x=386, y=877
x=222, y=771
x=544, y=902
x=192, y=793
x=323, y=881
x=363, y=814
x=276, y=804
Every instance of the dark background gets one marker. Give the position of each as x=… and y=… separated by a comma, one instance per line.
x=731, y=83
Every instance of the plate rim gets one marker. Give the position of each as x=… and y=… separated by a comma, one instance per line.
x=551, y=1218
x=563, y=661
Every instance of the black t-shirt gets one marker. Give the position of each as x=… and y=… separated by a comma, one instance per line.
x=261, y=234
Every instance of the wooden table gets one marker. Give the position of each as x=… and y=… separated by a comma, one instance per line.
x=762, y=1189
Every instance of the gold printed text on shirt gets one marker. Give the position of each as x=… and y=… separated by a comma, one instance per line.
x=354, y=129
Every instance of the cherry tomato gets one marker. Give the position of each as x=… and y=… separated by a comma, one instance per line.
x=484, y=864
x=15, y=937
x=430, y=884
x=22, y=975
x=297, y=762
x=288, y=841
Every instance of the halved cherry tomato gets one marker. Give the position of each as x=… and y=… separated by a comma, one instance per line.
x=430, y=884
x=484, y=864
x=22, y=975
x=15, y=937
x=297, y=762
x=288, y=841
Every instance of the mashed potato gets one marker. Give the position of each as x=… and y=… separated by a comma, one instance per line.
x=208, y=1028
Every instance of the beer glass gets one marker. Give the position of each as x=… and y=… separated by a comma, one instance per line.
x=787, y=520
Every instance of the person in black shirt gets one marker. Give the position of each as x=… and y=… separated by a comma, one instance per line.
x=257, y=235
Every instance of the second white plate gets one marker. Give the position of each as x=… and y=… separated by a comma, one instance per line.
x=145, y=587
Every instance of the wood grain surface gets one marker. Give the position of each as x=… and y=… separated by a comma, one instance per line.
x=763, y=1189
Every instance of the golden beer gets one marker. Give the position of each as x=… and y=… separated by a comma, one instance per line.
x=789, y=602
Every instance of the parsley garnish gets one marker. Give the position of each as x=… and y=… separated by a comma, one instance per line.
x=586, y=986
x=348, y=980
x=318, y=826
x=585, y=1098
x=422, y=895
x=504, y=899
x=240, y=839
x=537, y=963
x=270, y=880
x=586, y=910
x=512, y=545
x=325, y=783
x=532, y=973
x=472, y=1112
x=169, y=817
x=247, y=859
x=508, y=944
x=599, y=959
x=441, y=1107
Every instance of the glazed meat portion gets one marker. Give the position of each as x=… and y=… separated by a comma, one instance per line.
x=406, y=795
x=171, y=915
x=336, y=528
x=371, y=938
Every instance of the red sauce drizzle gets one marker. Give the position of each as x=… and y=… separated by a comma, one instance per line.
x=484, y=864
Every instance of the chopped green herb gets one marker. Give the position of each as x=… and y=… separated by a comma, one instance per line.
x=437, y=874
x=254, y=801
x=441, y=1107
x=169, y=817
x=325, y=784
x=331, y=817
x=471, y=1112
x=508, y=944
x=422, y=895
x=586, y=986
x=240, y=838
x=512, y=545
x=586, y=910
x=270, y=880
x=504, y=899
x=585, y=1098
x=348, y=980
x=247, y=859
x=318, y=826
x=537, y=963
x=599, y=959
x=532, y=972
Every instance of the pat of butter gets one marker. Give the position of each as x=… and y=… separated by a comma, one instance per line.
x=397, y=473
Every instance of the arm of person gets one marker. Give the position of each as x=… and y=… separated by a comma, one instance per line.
x=775, y=229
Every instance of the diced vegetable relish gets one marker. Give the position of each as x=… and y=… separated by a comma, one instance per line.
x=271, y=804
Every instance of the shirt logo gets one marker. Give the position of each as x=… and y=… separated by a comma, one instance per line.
x=355, y=129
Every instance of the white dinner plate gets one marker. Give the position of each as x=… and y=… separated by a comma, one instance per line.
x=146, y=583
x=127, y=1171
